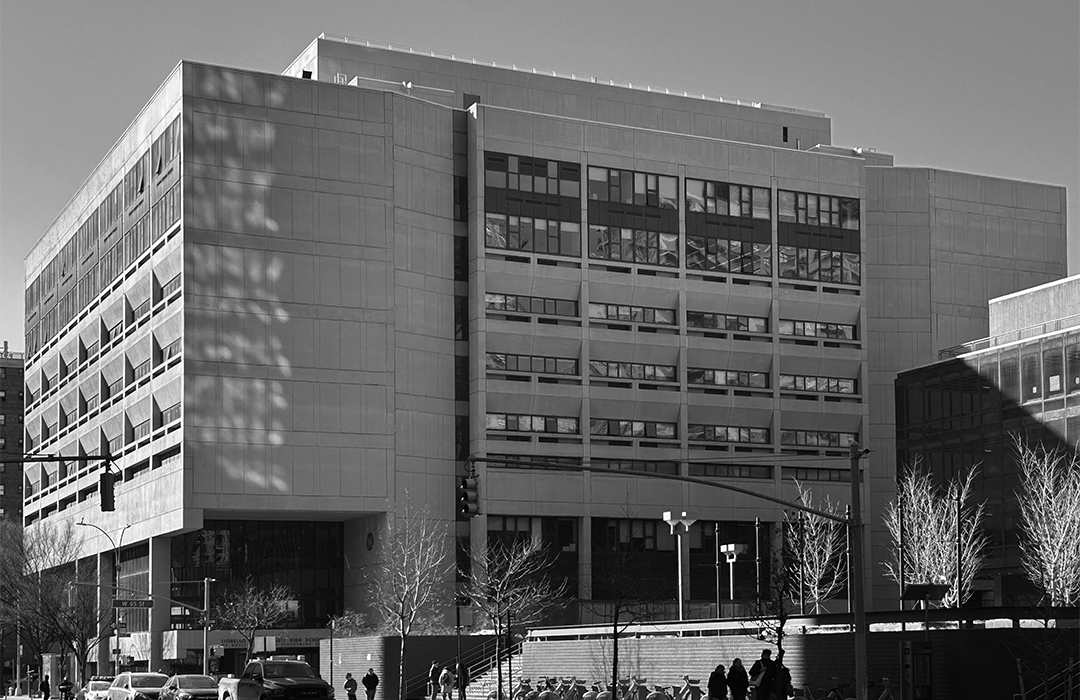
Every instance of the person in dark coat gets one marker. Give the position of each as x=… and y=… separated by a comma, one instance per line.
x=766, y=689
x=462, y=677
x=737, y=680
x=371, y=682
x=350, y=686
x=44, y=688
x=718, y=684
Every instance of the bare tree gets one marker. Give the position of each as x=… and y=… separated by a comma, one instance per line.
x=350, y=624
x=411, y=579
x=508, y=584
x=83, y=623
x=930, y=537
x=1049, y=500
x=248, y=608
x=635, y=590
x=815, y=553
x=35, y=568
x=774, y=611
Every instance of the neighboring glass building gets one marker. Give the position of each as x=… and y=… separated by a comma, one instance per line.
x=1022, y=383
x=11, y=432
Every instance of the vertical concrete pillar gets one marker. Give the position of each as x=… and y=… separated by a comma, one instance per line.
x=160, y=587
x=584, y=548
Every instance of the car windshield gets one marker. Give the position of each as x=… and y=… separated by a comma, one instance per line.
x=190, y=682
x=97, y=685
x=154, y=681
x=287, y=669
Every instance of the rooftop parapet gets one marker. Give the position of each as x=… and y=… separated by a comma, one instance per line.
x=568, y=76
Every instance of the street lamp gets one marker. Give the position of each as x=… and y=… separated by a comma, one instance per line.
x=731, y=553
x=116, y=585
x=674, y=523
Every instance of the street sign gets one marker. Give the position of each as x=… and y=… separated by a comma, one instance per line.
x=121, y=625
x=133, y=603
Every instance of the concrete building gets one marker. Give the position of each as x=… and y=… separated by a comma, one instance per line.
x=940, y=245
x=289, y=304
x=11, y=432
x=966, y=410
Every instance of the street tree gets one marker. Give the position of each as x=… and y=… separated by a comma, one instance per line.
x=508, y=584
x=627, y=586
x=411, y=579
x=247, y=608
x=926, y=514
x=815, y=553
x=1049, y=500
x=777, y=601
x=34, y=577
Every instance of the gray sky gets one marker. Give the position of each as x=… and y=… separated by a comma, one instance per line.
x=984, y=86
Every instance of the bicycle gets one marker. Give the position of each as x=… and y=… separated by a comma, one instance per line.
x=831, y=694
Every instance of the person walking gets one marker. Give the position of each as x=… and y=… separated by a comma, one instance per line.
x=350, y=686
x=718, y=684
x=462, y=680
x=737, y=680
x=433, y=681
x=371, y=682
x=44, y=687
x=446, y=682
x=764, y=672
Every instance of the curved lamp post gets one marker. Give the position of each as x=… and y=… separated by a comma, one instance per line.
x=116, y=584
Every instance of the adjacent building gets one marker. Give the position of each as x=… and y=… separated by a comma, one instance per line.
x=969, y=409
x=287, y=305
x=11, y=433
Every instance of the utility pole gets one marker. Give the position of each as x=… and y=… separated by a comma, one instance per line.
x=857, y=579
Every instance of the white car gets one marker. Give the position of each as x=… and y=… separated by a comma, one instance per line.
x=137, y=686
x=97, y=688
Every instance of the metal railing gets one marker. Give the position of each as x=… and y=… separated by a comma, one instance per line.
x=479, y=660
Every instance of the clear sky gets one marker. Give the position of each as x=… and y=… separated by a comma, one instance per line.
x=984, y=86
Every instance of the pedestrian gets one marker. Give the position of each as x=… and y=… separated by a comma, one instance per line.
x=65, y=687
x=462, y=680
x=44, y=687
x=350, y=686
x=433, y=681
x=371, y=682
x=763, y=676
x=737, y=680
x=718, y=684
x=446, y=682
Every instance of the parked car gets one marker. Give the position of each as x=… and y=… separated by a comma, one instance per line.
x=137, y=686
x=188, y=686
x=97, y=688
x=279, y=679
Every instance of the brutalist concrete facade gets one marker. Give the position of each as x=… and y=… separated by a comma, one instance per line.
x=303, y=301
x=940, y=246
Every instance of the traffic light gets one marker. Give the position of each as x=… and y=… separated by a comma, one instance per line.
x=105, y=488
x=468, y=496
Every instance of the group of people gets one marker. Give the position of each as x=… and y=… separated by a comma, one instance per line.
x=441, y=682
x=762, y=676
x=370, y=682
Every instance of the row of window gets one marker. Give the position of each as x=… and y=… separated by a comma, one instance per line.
x=655, y=247
x=663, y=430
x=134, y=311
x=115, y=443
x=532, y=175
x=536, y=364
x=515, y=303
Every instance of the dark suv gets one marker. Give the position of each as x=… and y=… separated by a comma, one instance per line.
x=276, y=680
